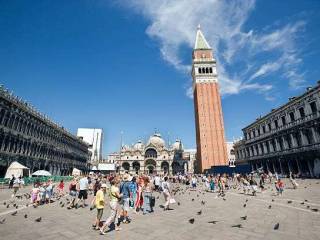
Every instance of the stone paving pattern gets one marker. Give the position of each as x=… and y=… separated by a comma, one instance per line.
x=296, y=220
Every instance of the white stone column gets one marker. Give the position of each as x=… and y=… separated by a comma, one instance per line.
x=265, y=149
x=299, y=168
x=270, y=146
x=293, y=140
x=273, y=166
x=303, y=138
x=254, y=151
x=289, y=166
x=259, y=149
x=285, y=143
x=310, y=168
x=315, y=135
x=281, y=170
x=250, y=152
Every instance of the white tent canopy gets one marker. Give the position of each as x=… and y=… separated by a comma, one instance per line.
x=106, y=167
x=41, y=173
x=17, y=170
x=94, y=168
x=76, y=172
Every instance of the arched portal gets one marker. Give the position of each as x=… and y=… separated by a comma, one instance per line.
x=165, y=167
x=126, y=166
x=176, y=168
x=150, y=166
x=136, y=167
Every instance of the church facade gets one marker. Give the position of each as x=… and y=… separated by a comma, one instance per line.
x=155, y=157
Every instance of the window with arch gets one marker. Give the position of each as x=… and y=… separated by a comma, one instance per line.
x=199, y=70
x=151, y=153
x=210, y=70
x=207, y=70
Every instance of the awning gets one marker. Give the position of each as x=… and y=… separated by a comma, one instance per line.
x=106, y=167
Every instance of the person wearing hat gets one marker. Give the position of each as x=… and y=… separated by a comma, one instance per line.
x=99, y=204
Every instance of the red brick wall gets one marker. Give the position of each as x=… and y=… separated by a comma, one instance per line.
x=211, y=148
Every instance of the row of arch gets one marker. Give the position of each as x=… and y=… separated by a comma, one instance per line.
x=151, y=164
x=54, y=167
x=19, y=145
x=205, y=70
x=25, y=123
x=31, y=139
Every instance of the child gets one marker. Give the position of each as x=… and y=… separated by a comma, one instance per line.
x=253, y=185
x=49, y=191
x=61, y=188
x=211, y=184
x=279, y=186
x=35, y=194
x=42, y=194
x=194, y=182
x=221, y=186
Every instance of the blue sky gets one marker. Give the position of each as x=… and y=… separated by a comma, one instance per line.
x=125, y=65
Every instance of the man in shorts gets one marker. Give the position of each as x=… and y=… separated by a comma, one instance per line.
x=125, y=191
x=157, y=182
x=99, y=204
x=83, y=191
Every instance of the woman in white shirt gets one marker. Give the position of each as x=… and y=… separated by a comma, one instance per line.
x=166, y=192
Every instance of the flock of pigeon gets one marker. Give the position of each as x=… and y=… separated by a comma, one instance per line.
x=13, y=204
x=182, y=191
x=177, y=191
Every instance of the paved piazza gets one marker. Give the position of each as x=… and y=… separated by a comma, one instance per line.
x=296, y=220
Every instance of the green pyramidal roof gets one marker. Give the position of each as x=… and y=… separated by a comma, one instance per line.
x=201, y=42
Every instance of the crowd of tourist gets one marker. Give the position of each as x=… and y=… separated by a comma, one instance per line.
x=119, y=196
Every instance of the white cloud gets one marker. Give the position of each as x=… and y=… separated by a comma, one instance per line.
x=267, y=68
x=173, y=25
x=189, y=92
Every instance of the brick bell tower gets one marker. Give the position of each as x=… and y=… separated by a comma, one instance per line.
x=211, y=145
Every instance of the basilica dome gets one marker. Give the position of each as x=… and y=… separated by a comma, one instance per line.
x=138, y=146
x=156, y=140
x=177, y=145
x=125, y=148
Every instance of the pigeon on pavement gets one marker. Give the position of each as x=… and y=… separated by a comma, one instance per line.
x=191, y=220
x=237, y=226
x=213, y=222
